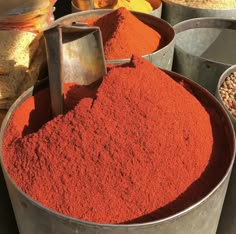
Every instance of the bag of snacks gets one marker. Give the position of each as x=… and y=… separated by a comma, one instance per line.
x=22, y=52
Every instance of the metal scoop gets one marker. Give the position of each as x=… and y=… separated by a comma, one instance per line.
x=74, y=54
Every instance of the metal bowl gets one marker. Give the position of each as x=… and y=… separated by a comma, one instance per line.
x=226, y=73
x=162, y=58
x=227, y=222
x=204, y=49
x=175, y=13
x=32, y=217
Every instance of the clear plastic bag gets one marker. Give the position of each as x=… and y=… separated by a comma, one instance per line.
x=22, y=52
x=32, y=15
x=16, y=7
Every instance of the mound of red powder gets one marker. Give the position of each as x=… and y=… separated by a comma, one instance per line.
x=124, y=34
x=120, y=157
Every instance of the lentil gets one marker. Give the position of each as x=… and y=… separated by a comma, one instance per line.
x=228, y=93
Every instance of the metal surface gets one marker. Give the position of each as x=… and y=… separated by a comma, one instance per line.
x=74, y=54
x=7, y=219
x=53, y=41
x=157, y=11
x=204, y=49
x=175, y=13
x=202, y=217
x=162, y=58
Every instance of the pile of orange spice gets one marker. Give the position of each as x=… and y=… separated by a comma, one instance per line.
x=124, y=34
x=127, y=152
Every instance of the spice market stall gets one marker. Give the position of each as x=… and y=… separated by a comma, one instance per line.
x=124, y=144
x=140, y=150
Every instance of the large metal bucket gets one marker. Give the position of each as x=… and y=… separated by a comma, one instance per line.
x=201, y=217
x=162, y=58
x=175, y=13
x=204, y=49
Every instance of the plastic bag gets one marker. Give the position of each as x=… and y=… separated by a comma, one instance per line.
x=22, y=51
x=32, y=15
x=16, y=7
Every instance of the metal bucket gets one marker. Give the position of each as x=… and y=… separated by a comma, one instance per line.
x=157, y=5
x=201, y=217
x=175, y=13
x=157, y=8
x=218, y=96
x=204, y=49
x=162, y=58
x=227, y=224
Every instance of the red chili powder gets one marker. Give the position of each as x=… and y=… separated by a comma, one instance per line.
x=139, y=150
x=124, y=34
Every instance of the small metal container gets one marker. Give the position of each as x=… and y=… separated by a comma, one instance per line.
x=175, y=13
x=204, y=49
x=162, y=58
x=157, y=8
x=226, y=73
x=201, y=217
x=227, y=224
x=157, y=5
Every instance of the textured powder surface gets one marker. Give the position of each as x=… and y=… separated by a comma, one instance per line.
x=123, y=35
x=122, y=157
x=207, y=4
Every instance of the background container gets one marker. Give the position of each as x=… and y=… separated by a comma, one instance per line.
x=162, y=58
x=175, y=13
x=217, y=94
x=156, y=4
x=227, y=224
x=204, y=49
x=201, y=217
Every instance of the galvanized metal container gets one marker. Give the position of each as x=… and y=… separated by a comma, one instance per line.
x=175, y=13
x=227, y=224
x=204, y=49
x=201, y=217
x=157, y=5
x=162, y=58
x=226, y=73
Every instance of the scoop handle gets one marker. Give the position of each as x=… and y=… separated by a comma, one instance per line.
x=53, y=42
